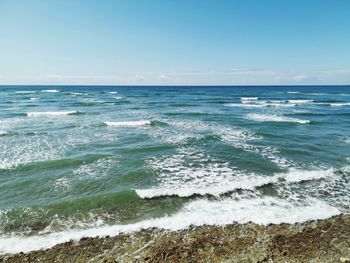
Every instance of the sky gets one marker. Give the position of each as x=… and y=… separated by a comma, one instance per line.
x=174, y=42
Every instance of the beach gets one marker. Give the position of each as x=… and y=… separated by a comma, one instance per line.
x=314, y=241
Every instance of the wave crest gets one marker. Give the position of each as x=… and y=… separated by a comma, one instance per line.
x=128, y=123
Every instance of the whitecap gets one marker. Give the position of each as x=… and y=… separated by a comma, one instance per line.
x=244, y=105
x=25, y=91
x=128, y=123
x=3, y=133
x=249, y=98
x=50, y=91
x=277, y=104
x=274, y=118
x=216, y=179
x=50, y=113
x=77, y=93
x=300, y=101
x=296, y=175
x=339, y=104
x=260, y=104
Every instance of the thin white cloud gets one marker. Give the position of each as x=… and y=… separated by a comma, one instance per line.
x=235, y=76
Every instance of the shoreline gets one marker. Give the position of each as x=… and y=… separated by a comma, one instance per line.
x=326, y=240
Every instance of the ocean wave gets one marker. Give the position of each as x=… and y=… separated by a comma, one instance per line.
x=50, y=91
x=278, y=104
x=274, y=118
x=346, y=140
x=339, y=104
x=262, y=211
x=190, y=172
x=25, y=91
x=245, y=99
x=296, y=175
x=308, y=93
x=181, y=131
x=300, y=101
x=261, y=104
x=97, y=169
x=128, y=123
x=22, y=150
x=4, y=133
x=51, y=113
x=218, y=180
x=78, y=94
x=244, y=105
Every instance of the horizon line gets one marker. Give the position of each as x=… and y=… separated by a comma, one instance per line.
x=177, y=85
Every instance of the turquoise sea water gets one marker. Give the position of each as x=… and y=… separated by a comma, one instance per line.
x=83, y=161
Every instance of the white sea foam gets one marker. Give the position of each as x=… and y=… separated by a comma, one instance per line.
x=216, y=179
x=39, y=147
x=97, y=169
x=214, y=185
x=180, y=132
x=260, y=104
x=279, y=104
x=25, y=91
x=50, y=113
x=128, y=123
x=200, y=212
x=295, y=175
x=34, y=98
x=112, y=92
x=62, y=183
x=274, y=118
x=3, y=133
x=50, y=91
x=248, y=99
x=339, y=104
x=293, y=92
x=347, y=140
x=23, y=150
x=190, y=172
x=244, y=105
x=300, y=101
x=118, y=98
x=77, y=93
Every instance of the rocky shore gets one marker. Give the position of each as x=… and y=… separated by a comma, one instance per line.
x=314, y=241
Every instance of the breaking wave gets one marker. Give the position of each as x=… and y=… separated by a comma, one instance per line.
x=274, y=118
x=128, y=123
x=264, y=211
x=51, y=113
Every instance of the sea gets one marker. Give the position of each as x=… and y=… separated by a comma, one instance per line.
x=83, y=161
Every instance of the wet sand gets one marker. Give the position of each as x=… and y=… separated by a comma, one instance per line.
x=314, y=241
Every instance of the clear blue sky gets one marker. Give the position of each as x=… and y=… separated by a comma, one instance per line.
x=175, y=42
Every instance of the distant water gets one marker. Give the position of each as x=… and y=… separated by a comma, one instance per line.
x=85, y=161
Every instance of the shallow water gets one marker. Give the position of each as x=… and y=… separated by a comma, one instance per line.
x=82, y=161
